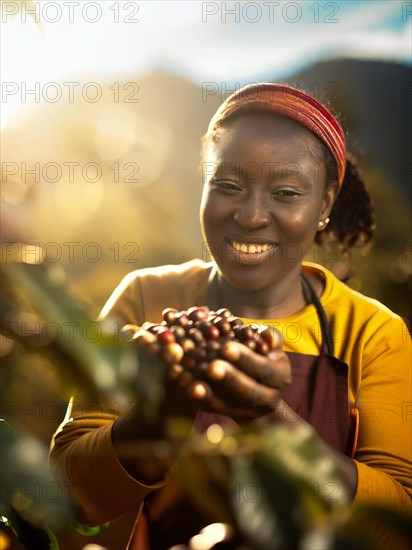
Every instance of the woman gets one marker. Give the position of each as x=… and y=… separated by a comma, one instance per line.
x=276, y=177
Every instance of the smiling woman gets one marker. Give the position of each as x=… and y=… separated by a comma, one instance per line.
x=277, y=177
x=253, y=220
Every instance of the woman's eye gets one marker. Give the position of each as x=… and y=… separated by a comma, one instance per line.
x=286, y=193
x=226, y=186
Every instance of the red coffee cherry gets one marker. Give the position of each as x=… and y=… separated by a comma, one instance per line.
x=246, y=333
x=222, y=324
x=181, y=319
x=172, y=353
x=224, y=312
x=169, y=315
x=165, y=336
x=196, y=335
x=210, y=332
x=179, y=332
x=213, y=345
x=262, y=347
x=213, y=348
x=187, y=344
x=197, y=314
x=198, y=354
x=150, y=327
x=272, y=337
x=236, y=323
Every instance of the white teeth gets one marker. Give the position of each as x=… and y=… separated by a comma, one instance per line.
x=251, y=248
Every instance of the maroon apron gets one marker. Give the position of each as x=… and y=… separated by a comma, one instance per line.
x=318, y=394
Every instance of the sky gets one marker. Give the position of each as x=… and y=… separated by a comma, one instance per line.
x=219, y=42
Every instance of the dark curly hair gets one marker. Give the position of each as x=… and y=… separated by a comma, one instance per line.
x=352, y=219
x=352, y=216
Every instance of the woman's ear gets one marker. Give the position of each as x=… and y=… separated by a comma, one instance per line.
x=329, y=197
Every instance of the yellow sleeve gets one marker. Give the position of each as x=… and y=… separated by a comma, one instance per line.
x=82, y=456
x=144, y=293
x=85, y=464
x=383, y=456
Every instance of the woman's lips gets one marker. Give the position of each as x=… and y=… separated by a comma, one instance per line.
x=251, y=252
x=251, y=248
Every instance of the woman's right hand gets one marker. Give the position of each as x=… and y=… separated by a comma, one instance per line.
x=244, y=385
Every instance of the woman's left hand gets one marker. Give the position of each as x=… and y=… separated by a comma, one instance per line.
x=246, y=385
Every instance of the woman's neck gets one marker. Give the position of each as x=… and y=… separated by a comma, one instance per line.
x=278, y=301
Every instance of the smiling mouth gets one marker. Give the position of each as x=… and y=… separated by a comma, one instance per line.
x=251, y=248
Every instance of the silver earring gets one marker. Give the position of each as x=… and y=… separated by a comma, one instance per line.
x=322, y=224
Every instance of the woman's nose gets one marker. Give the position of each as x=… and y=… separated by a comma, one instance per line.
x=252, y=213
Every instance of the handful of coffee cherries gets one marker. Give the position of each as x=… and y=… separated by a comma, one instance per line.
x=191, y=340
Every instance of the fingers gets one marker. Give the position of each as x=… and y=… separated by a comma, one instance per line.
x=273, y=370
x=201, y=393
x=237, y=388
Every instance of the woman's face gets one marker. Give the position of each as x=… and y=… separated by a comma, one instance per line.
x=263, y=197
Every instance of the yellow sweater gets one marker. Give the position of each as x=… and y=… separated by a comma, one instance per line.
x=371, y=339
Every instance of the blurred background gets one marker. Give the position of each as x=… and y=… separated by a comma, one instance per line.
x=103, y=105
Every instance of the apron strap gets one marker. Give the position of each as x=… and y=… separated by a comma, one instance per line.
x=327, y=340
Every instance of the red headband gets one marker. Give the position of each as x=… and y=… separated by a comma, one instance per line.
x=292, y=103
